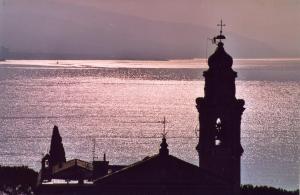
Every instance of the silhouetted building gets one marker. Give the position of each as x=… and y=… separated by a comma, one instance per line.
x=162, y=174
x=220, y=115
x=55, y=167
x=158, y=174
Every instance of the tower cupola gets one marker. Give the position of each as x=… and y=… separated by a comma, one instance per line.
x=220, y=59
x=164, y=146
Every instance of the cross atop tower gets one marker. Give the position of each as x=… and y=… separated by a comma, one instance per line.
x=221, y=27
x=220, y=36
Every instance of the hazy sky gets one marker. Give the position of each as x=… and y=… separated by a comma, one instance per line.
x=157, y=27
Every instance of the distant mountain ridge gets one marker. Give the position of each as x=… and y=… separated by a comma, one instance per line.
x=56, y=33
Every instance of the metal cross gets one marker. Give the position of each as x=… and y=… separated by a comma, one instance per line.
x=221, y=25
x=164, y=122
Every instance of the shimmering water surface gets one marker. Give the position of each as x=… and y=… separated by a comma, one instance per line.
x=119, y=103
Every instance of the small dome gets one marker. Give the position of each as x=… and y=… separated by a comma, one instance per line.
x=220, y=59
x=164, y=146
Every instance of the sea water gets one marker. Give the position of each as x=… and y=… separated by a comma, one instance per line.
x=121, y=105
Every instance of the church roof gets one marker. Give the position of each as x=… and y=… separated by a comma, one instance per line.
x=72, y=170
x=161, y=169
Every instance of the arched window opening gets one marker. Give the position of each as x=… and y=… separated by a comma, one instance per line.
x=46, y=163
x=218, y=132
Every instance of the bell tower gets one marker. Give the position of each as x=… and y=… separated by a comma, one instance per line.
x=220, y=113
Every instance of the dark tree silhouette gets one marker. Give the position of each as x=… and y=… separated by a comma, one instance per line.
x=17, y=180
x=265, y=190
x=57, y=151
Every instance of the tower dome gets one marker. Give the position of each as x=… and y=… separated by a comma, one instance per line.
x=220, y=59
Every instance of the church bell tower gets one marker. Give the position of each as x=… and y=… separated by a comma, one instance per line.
x=220, y=113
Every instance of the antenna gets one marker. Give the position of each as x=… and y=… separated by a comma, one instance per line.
x=197, y=130
x=206, y=50
x=94, y=149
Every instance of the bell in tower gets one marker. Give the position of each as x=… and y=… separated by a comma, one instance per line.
x=220, y=113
